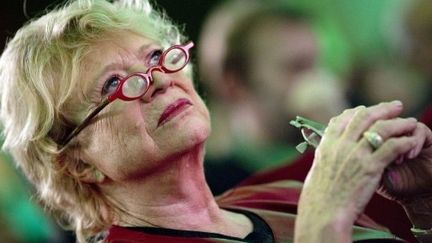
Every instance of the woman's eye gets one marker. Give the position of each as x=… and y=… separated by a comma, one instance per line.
x=111, y=85
x=154, y=57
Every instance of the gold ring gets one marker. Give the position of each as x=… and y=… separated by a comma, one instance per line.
x=374, y=139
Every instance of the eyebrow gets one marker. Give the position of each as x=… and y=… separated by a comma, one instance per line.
x=142, y=52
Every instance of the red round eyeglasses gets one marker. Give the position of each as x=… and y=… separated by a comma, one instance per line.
x=137, y=84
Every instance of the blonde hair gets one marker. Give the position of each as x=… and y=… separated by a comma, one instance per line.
x=38, y=71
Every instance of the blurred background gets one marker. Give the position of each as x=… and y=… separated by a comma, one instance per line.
x=258, y=64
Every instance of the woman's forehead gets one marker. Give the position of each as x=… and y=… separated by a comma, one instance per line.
x=114, y=52
x=122, y=43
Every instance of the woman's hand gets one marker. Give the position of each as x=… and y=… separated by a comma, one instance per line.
x=409, y=181
x=347, y=170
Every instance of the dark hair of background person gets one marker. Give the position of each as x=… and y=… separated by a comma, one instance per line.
x=237, y=54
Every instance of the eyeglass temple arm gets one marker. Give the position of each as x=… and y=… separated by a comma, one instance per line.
x=303, y=123
x=188, y=45
x=186, y=48
x=86, y=121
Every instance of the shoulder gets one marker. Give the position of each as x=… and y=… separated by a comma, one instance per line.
x=263, y=196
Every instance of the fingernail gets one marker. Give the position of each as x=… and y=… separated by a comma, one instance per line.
x=411, y=153
x=397, y=102
x=414, y=152
x=417, y=151
x=399, y=160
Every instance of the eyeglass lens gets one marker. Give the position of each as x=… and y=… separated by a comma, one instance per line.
x=135, y=86
x=175, y=59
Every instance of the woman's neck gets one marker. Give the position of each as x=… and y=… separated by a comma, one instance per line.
x=176, y=196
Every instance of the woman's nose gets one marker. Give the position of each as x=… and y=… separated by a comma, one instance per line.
x=160, y=83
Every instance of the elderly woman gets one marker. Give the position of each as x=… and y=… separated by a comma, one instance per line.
x=100, y=112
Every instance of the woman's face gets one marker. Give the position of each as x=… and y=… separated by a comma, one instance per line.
x=133, y=138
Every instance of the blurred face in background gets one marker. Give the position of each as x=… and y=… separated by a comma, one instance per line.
x=279, y=52
x=285, y=76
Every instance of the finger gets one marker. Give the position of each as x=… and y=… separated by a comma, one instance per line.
x=400, y=160
x=392, y=149
x=394, y=127
x=428, y=142
x=390, y=128
x=337, y=124
x=364, y=118
x=423, y=137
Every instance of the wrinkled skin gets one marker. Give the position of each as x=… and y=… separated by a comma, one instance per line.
x=347, y=170
x=411, y=176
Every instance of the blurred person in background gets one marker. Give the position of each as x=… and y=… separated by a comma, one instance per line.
x=391, y=78
x=263, y=64
x=383, y=53
x=212, y=47
x=417, y=25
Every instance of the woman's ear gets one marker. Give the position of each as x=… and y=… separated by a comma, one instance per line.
x=81, y=170
x=89, y=174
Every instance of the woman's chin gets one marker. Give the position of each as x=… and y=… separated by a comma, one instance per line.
x=194, y=134
x=184, y=135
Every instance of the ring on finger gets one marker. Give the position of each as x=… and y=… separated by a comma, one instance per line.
x=375, y=140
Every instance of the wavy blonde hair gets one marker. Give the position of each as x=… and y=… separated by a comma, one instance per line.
x=38, y=71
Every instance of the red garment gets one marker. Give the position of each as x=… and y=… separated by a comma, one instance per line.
x=426, y=117
x=387, y=213
x=275, y=203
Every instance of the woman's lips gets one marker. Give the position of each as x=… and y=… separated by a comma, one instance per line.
x=173, y=110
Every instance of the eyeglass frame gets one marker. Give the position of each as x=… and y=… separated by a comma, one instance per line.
x=118, y=93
